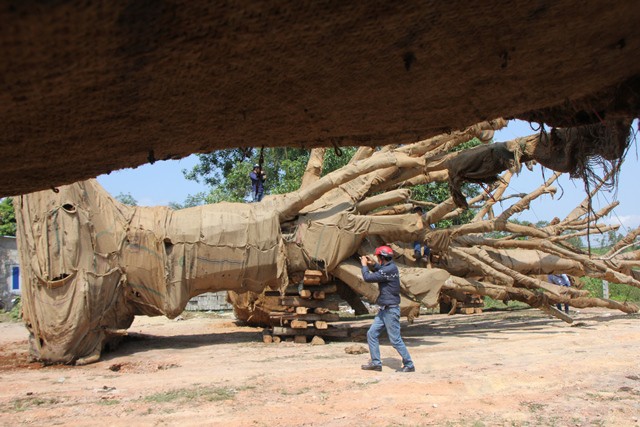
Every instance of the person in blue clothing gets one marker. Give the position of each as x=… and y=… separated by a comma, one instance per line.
x=386, y=274
x=257, y=182
x=560, y=280
x=421, y=252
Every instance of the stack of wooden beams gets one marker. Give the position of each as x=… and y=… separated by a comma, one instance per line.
x=306, y=310
x=471, y=304
x=466, y=303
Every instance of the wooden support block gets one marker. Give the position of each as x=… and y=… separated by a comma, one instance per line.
x=302, y=310
x=327, y=317
x=313, y=273
x=316, y=340
x=320, y=310
x=311, y=281
x=305, y=293
x=299, y=324
x=289, y=290
x=301, y=302
x=283, y=319
x=327, y=288
x=272, y=294
x=319, y=295
x=329, y=332
x=275, y=318
x=278, y=321
x=320, y=324
x=477, y=310
x=276, y=339
x=300, y=339
x=267, y=339
x=467, y=310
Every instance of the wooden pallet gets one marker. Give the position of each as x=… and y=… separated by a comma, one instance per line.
x=471, y=305
x=305, y=311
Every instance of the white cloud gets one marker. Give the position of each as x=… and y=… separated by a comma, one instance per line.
x=627, y=221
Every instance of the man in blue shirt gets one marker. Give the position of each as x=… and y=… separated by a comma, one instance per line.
x=560, y=280
x=257, y=182
x=421, y=252
x=386, y=274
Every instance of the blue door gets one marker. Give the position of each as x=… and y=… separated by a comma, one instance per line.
x=15, y=282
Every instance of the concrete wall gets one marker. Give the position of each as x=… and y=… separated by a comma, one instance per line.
x=209, y=301
x=8, y=261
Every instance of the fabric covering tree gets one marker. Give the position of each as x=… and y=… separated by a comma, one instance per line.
x=92, y=263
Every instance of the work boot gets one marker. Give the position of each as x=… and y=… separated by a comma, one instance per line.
x=371, y=367
x=406, y=369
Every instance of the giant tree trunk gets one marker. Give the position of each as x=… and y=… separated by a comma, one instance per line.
x=90, y=264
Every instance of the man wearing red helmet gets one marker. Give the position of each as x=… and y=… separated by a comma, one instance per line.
x=386, y=274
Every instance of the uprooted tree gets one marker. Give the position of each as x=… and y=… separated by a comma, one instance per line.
x=91, y=263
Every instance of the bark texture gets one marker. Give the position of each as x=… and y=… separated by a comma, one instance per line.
x=91, y=87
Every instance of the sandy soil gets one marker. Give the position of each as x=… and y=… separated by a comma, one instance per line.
x=517, y=368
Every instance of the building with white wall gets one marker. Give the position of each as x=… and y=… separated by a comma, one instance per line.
x=9, y=270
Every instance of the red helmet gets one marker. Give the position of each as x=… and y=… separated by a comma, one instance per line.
x=384, y=251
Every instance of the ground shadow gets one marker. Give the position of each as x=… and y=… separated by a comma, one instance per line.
x=526, y=321
x=135, y=343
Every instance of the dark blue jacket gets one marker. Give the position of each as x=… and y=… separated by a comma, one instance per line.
x=559, y=279
x=257, y=181
x=388, y=278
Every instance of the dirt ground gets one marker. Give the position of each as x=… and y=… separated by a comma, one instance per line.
x=518, y=368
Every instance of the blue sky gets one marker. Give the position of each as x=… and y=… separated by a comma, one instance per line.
x=163, y=182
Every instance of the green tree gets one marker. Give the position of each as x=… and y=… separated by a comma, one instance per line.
x=127, y=199
x=611, y=238
x=542, y=224
x=617, y=291
x=575, y=241
x=7, y=217
x=190, y=201
x=438, y=192
x=333, y=160
x=226, y=172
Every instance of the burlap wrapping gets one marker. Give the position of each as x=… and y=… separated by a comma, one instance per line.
x=480, y=164
x=417, y=284
x=90, y=263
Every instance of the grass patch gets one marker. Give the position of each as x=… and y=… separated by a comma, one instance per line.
x=108, y=402
x=294, y=392
x=246, y=387
x=5, y=317
x=497, y=305
x=533, y=406
x=16, y=310
x=617, y=291
x=209, y=394
x=13, y=315
x=26, y=403
x=602, y=397
x=366, y=383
